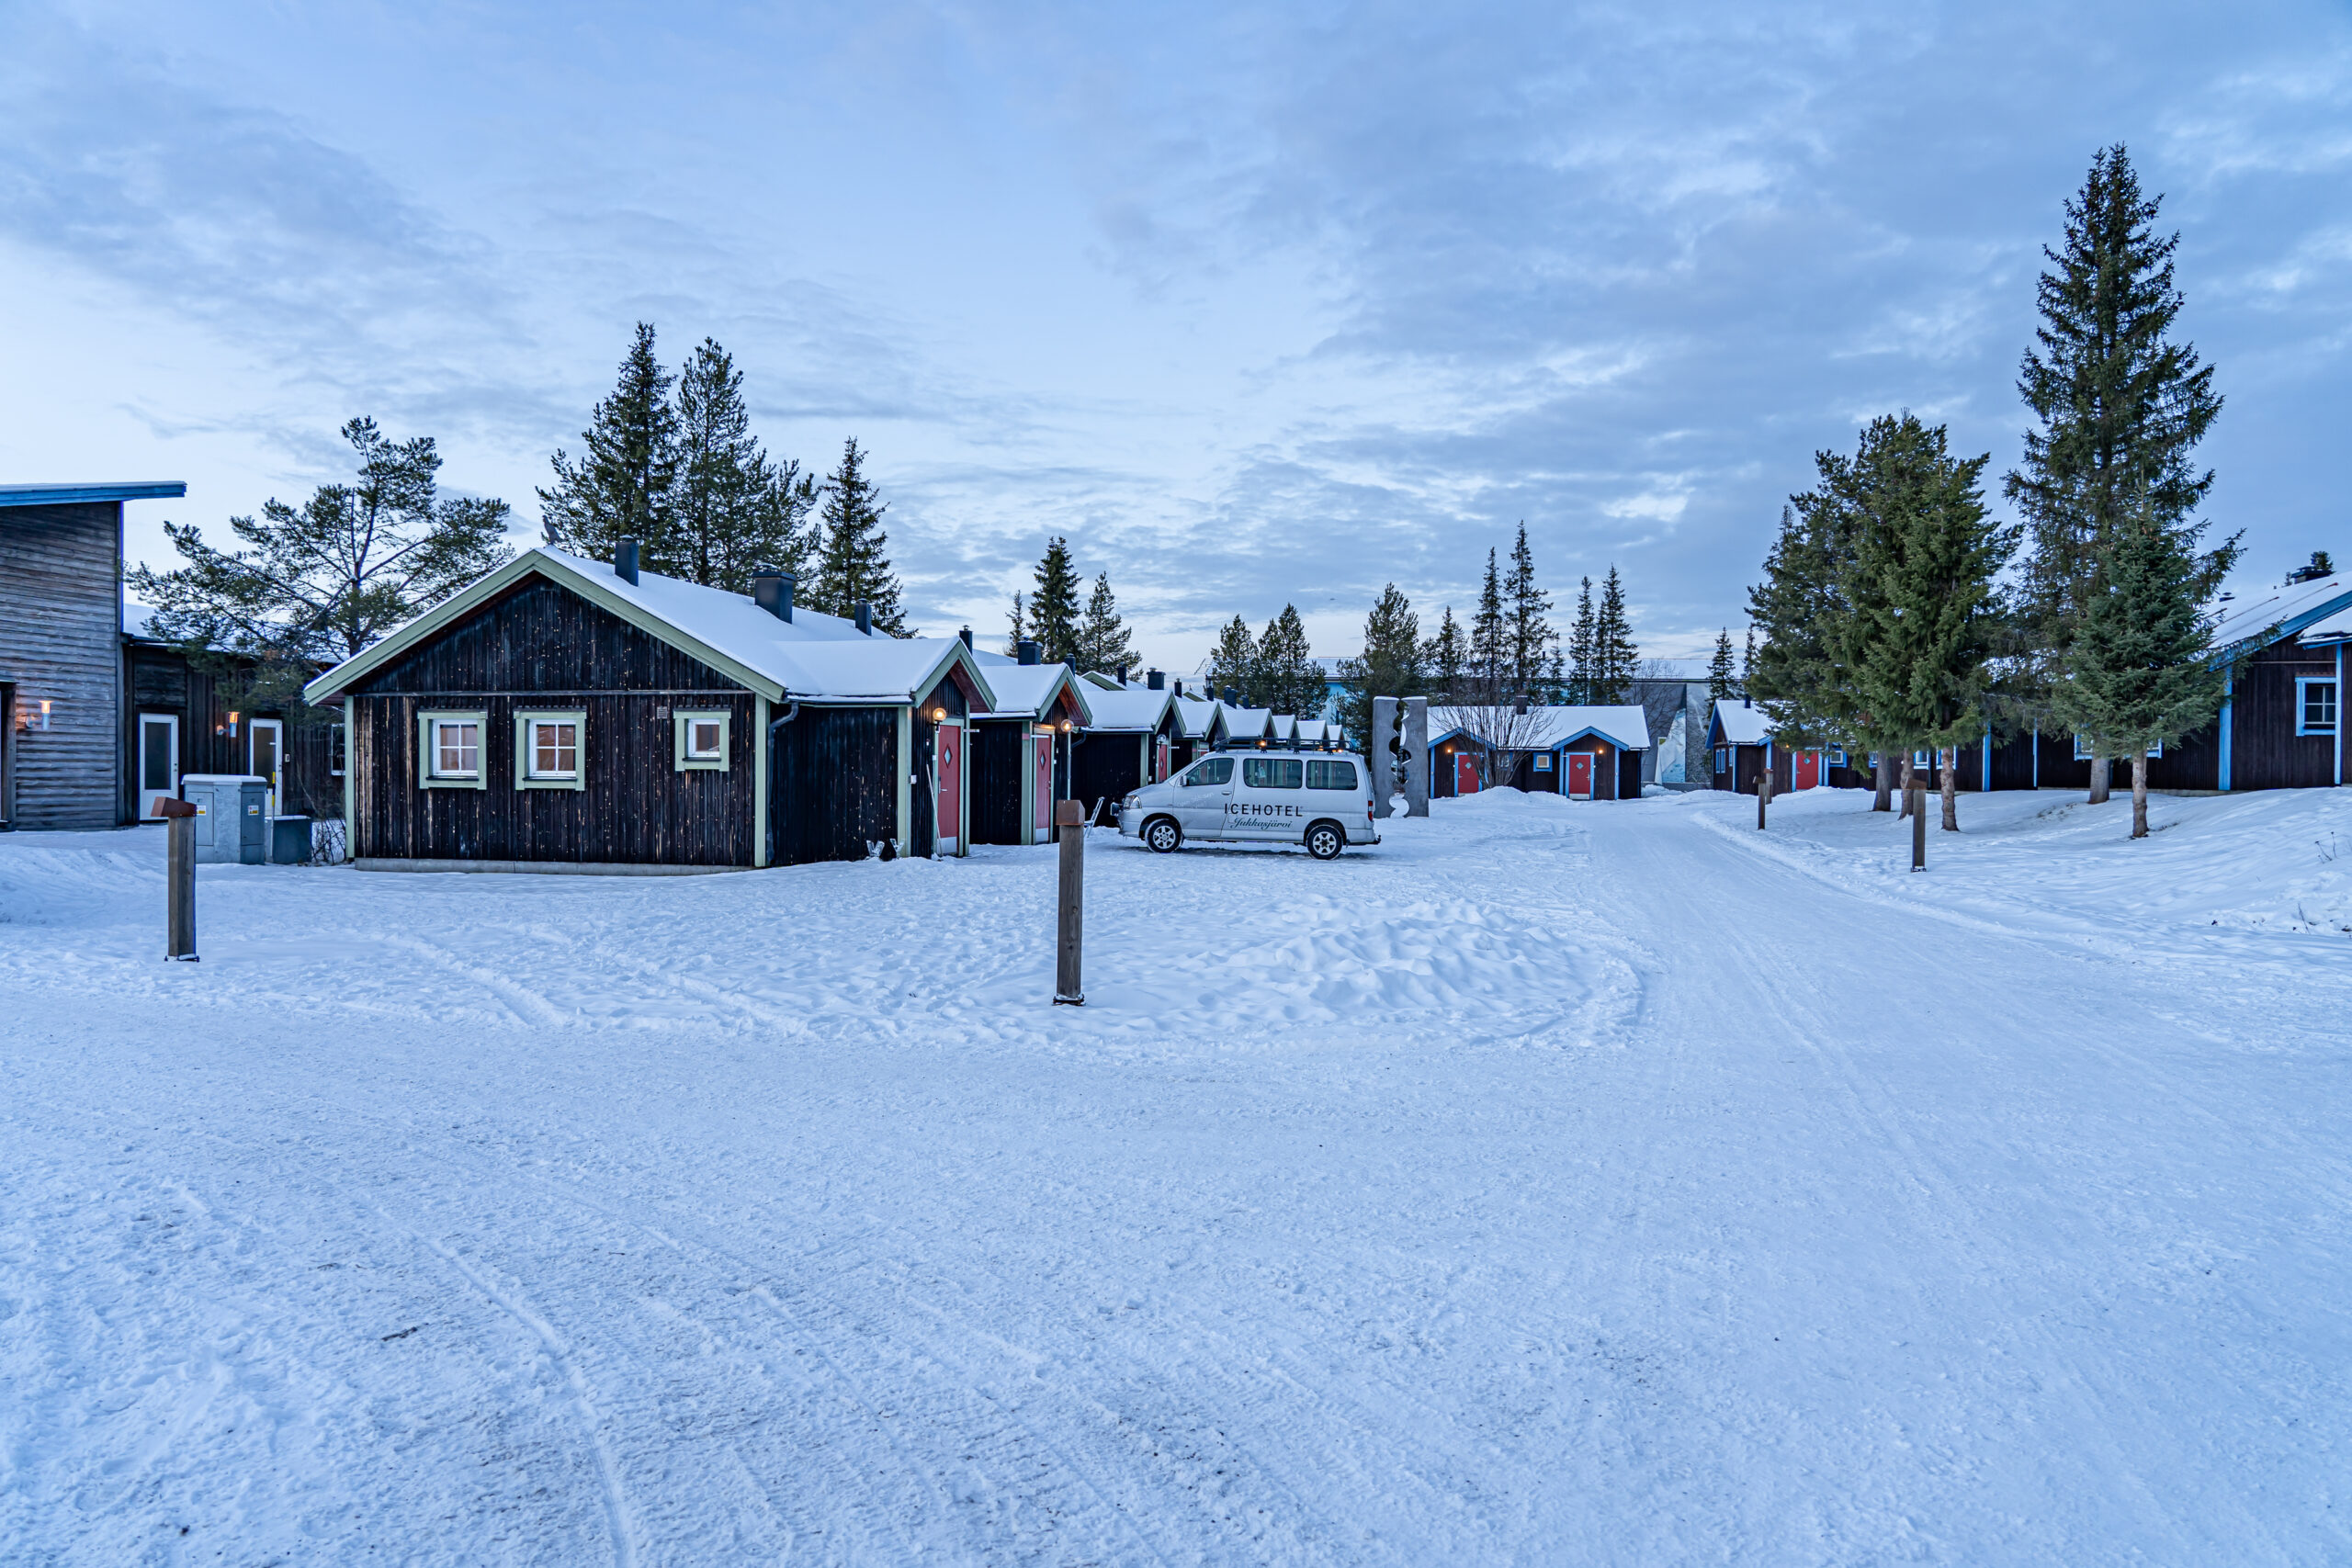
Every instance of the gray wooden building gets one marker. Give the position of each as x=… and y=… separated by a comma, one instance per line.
x=61, y=652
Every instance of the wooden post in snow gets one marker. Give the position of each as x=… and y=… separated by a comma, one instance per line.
x=1763, y=791
x=1069, y=815
x=1918, y=825
x=179, y=878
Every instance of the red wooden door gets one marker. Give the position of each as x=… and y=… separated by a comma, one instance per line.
x=1042, y=785
x=1465, y=773
x=1159, y=761
x=1807, y=767
x=1580, y=774
x=951, y=788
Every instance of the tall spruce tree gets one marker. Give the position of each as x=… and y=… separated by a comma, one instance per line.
x=2140, y=671
x=733, y=509
x=2120, y=408
x=1053, y=606
x=1289, y=681
x=1391, y=665
x=1446, y=659
x=1614, y=654
x=1723, y=675
x=1233, y=662
x=1927, y=555
x=620, y=487
x=851, y=565
x=1584, y=639
x=1103, y=641
x=1018, y=632
x=1489, y=638
x=1528, y=609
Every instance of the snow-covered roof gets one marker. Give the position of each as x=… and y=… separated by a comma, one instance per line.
x=812, y=657
x=136, y=618
x=2251, y=612
x=1742, y=725
x=1196, y=716
x=1549, y=727
x=1027, y=691
x=1246, y=724
x=1127, y=707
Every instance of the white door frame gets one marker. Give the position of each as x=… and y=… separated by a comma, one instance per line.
x=253, y=727
x=147, y=796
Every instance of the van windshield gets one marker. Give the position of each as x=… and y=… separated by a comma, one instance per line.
x=1330, y=775
x=1272, y=773
x=1216, y=771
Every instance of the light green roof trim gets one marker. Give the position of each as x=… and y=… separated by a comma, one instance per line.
x=451, y=611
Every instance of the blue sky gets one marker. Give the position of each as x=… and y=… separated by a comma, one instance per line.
x=1254, y=305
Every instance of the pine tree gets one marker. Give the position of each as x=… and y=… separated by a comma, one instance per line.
x=1446, y=657
x=1528, y=634
x=620, y=489
x=1103, y=641
x=1584, y=636
x=1722, y=677
x=1926, y=557
x=733, y=509
x=1748, y=663
x=1489, y=638
x=851, y=567
x=1020, y=629
x=1053, y=608
x=2120, y=407
x=1390, y=666
x=1614, y=654
x=1288, y=679
x=2140, y=672
x=1233, y=662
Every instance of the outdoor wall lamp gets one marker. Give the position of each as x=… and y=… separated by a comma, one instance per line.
x=939, y=716
x=32, y=716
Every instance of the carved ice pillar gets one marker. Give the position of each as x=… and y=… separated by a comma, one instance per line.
x=1379, y=755
x=1417, y=756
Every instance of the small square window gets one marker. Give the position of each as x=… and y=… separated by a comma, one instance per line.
x=552, y=750
x=2315, y=707
x=449, y=750
x=702, y=740
x=1836, y=756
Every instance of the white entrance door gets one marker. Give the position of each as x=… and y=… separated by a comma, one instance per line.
x=269, y=759
x=159, y=761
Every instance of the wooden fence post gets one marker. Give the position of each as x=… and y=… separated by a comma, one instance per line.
x=1918, y=829
x=179, y=878
x=1069, y=815
x=1763, y=791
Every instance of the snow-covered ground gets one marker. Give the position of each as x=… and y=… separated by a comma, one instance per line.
x=1554, y=1183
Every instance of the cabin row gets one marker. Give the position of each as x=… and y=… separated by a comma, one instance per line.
x=2280, y=725
x=1586, y=752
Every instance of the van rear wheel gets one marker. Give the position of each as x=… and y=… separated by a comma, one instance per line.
x=1325, y=841
x=1160, y=836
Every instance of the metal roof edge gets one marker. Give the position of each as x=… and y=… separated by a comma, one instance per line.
x=66, y=495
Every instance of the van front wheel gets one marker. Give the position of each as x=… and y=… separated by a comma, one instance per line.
x=1160, y=836
x=1325, y=841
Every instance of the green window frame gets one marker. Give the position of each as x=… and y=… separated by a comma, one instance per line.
x=688, y=760
x=428, y=772
x=526, y=774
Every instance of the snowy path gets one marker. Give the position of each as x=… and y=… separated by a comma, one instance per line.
x=1580, y=1185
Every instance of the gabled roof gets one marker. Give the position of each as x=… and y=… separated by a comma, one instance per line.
x=1548, y=729
x=1246, y=724
x=67, y=495
x=1127, y=707
x=2260, y=616
x=1028, y=691
x=812, y=657
x=1197, y=718
x=1741, y=725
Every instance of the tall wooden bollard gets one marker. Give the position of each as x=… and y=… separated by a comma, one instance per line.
x=179, y=878
x=1069, y=815
x=1918, y=829
x=1763, y=795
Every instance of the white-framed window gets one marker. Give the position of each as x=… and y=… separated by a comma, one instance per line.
x=552, y=750
x=449, y=749
x=1722, y=758
x=1923, y=757
x=2315, y=706
x=334, y=750
x=702, y=740
x=1834, y=756
x=1542, y=761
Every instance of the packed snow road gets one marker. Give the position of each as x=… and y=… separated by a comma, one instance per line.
x=1563, y=1184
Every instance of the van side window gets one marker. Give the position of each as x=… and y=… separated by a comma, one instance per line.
x=1216, y=771
x=1330, y=775
x=1272, y=772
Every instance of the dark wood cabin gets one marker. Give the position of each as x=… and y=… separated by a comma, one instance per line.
x=62, y=759
x=1591, y=753
x=561, y=714
x=182, y=715
x=1200, y=730
x=1127, y=742
x=1021, y=752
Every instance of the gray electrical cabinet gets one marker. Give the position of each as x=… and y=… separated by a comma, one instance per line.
x=230, y=824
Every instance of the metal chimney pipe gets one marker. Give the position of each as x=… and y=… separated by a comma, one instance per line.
x=1232, y=696
x=772, y=591
x=1157, y=681
x=1027, y=652
x=866, y=617
x=966, y=635
x=625, y=561
x=1123, y=675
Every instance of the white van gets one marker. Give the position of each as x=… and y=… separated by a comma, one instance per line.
x=1320, y=799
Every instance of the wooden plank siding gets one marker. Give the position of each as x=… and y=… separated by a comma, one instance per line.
x=538, y=647
x=997, y=755
x=833, y=783
x=161, y=678
x=2265, y=750
x=60, y=640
